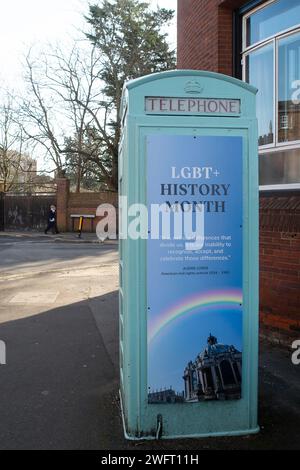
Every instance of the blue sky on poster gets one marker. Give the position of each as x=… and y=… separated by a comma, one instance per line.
x=29, y=22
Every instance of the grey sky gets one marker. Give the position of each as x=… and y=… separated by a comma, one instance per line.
x=41, y=21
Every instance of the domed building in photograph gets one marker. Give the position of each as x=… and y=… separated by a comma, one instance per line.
x=216, y=374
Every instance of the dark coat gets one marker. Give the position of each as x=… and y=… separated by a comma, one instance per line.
x=52, y=217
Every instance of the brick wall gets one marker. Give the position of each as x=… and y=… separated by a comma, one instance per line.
x=63, y=188
x=197, y=40
x=205, y=42
x=82, y=203
x=280, y=266
x=205, y=34
x=87, y=203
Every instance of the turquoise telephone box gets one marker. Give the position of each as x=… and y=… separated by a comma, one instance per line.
x=188, y=183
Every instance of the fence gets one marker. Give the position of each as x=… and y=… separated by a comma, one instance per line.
x=24, y=212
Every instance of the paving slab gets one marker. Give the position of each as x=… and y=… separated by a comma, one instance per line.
x=42, y=297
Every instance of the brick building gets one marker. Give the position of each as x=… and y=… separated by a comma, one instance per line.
x=259, y=42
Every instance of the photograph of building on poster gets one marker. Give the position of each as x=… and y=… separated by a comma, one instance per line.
x=194, y=296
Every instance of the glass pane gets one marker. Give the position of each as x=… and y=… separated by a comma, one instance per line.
x=278, y=16
x=279, y=168
x=260, y=73
x=288, y=89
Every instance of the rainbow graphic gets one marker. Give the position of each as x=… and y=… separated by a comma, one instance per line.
x=195, y=305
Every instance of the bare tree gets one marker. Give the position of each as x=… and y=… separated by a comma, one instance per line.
x=82, y=89
x=11, y=144
x=75, y=79
x=39, y=116
x=68, y=85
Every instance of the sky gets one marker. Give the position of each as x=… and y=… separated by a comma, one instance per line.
x=25, y=23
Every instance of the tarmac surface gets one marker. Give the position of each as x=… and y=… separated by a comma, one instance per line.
x=59, y=388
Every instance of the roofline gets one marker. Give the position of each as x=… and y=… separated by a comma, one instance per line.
x=188, y=73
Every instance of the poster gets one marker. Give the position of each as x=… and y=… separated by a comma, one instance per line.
x=194, y=290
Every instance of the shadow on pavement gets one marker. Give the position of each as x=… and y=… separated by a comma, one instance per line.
x=59, y=388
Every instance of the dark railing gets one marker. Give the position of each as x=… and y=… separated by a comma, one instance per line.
x=25, y=212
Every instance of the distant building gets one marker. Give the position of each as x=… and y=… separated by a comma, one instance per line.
x=267, y=138
x=27, y=169
x=17, y=171
x=165, y=396
x=215, y=374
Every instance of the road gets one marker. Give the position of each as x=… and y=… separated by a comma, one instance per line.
x=59, y=388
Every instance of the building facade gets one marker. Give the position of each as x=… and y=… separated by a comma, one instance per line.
x=215, y=374
x=259, y=42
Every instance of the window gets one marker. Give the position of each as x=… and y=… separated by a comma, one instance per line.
x=209, y=378
x=266, y=22
x=284, y=122
x=289, y=67
x=194, y=380
x=259, y=72
x=271, y=62
x=237, y=372
x=280, y=168
x=227, y=373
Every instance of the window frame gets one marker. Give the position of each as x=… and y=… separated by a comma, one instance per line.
x=290, y=143
x=276, y=146
x=244, y=70
x=244, y=27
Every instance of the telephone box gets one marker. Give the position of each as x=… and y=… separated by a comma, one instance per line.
x=188, y=182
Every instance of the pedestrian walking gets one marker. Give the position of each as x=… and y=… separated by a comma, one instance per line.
x=52, y=220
